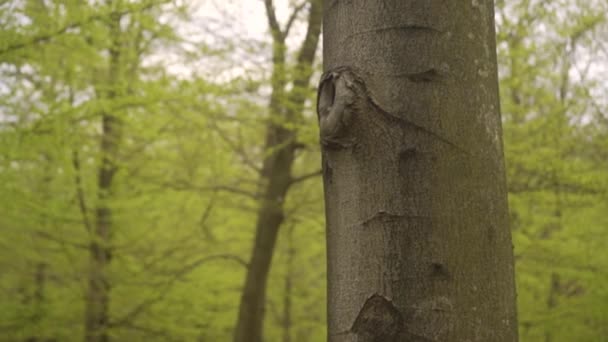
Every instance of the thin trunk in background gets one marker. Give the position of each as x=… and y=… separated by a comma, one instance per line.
x=288, y=286
x=98, y=292
x=40, y=275
x=285, y=110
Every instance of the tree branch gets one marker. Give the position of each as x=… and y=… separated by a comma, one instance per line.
x=228, y=257
x=184, y=186
x=306, y=56
x=62, y=242
x=41, y=38
x=309, y=45
x=238, y=149
x=203, y=220
x=275, y=28
x=293, y=17
x=148, y=331
x=79, y=191
x=137, y=310
x=295, y=180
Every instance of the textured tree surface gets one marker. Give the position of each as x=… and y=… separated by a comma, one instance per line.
x=419, y=247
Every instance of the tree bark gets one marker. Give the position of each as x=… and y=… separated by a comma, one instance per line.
x=276, y=173
x=418, y=242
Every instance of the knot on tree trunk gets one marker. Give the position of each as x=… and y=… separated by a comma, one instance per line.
x=340, y=91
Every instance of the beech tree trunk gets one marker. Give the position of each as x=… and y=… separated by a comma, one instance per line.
x=419, y=247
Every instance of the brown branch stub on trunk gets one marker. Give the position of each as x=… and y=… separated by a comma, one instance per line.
x=378, y=321
x=336, y=104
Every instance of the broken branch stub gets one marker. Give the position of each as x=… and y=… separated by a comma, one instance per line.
x=336, y=99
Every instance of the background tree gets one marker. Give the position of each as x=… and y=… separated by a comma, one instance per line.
x=285, y=111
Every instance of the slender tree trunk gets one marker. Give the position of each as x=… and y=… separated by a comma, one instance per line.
x=418, y=242
x=98, y=294
x=276, y=173
x=288, y=286
x=98, y=291
x=552, y=302
x=560, y=120
x=38, y=299
x=547, y=234
x=270, y=217
x=277, y=176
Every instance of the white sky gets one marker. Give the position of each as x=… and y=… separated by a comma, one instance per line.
x=220, y=22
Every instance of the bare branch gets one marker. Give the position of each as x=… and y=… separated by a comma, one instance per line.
x=148, y=331
x=228, y=257
x=185, y=186
x=177, y=275
x=305, y=177
x=306, y=54
x=293, y=17
x=61, y=242
x=203, y=220
x=309, y=45
x=275, y=28
x=80, y=191
x=238, y=149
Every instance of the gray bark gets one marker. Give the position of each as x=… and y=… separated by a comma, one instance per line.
x=418, y=242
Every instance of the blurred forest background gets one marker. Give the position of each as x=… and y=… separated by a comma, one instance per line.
x=135, y=161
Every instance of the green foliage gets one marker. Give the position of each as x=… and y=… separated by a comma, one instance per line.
x=182, y=199
x=557, y=185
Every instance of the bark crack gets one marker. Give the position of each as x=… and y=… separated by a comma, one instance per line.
x=429, y=75
x=429, y=132
x=385, y=217
x=409, y=28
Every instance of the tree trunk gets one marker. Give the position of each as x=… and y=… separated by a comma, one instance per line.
x=98, y=294
x=288, y=287
x=418, y=242
x=276, y=173
x=98, y=291
x=38, y=300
